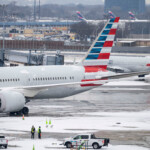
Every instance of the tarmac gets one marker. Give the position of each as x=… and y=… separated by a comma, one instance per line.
x=89, y=102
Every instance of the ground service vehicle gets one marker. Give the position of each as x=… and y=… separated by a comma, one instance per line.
x=3, y=142
x=88, y=140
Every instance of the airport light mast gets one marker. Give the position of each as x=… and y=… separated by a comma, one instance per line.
x=34, y=10
x=39, y=9
x=3, y=48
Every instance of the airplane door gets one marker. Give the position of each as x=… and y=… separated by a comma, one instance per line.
x=25, y=77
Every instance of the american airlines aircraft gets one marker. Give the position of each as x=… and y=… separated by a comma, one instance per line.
x=111, y=15
x=83, y=19
x=18, y=85
x=132, y=16
x=127, y=64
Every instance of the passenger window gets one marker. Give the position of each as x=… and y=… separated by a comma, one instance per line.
x=93, y=136
x=84, y=137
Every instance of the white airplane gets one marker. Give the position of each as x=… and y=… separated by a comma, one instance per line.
x=19, y=84
x=83, y=19
x=126, y=64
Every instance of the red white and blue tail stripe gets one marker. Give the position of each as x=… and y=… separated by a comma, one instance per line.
x=111, y=15
x=132, y=16
x=97, y=56
x=80, y=16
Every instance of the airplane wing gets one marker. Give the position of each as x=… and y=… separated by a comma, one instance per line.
x=117, y=69
x=31, y=91
x=124, y=75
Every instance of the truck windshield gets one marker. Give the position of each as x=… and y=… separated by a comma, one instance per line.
x=77, y=137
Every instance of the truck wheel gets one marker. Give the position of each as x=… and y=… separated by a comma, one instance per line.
x=96, y=146
x=68, y=145
x=6, y=146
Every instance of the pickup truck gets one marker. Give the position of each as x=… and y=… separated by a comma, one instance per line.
x=3, y=142
x=88, y=140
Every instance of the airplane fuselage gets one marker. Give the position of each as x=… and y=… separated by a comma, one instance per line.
x=44, y=75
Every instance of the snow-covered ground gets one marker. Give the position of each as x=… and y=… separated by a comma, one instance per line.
x=53, y=144
x=88, y=122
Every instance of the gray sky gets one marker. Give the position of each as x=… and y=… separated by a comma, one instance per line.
x=30, y=2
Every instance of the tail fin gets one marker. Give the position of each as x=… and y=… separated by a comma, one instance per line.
x=98, y=54
x=80, y=16
x=111, y=15
x=132, y=16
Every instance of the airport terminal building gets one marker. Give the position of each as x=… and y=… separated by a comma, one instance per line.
x=136, y=6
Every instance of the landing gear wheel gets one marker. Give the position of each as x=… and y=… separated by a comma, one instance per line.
x=25, y=110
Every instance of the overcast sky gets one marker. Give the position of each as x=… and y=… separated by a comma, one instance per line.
x=30, y=2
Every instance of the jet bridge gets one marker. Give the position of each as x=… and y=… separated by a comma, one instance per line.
x=34, y=58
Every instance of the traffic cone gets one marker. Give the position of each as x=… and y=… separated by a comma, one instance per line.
x=50, y=122
x=33, y=148
x=46, y=123
x=23, y=117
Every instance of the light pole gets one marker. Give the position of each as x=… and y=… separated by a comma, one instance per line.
x=34, y=10
x=39, y=9
x=3, y=48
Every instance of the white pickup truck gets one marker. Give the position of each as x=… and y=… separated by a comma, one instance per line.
x=88, y=140
x=3, y=142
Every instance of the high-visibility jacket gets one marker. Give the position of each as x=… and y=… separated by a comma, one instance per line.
x=39, y=130
x=32, y=130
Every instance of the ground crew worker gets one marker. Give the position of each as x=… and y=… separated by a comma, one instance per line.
x=39, y=132
x=32, y=132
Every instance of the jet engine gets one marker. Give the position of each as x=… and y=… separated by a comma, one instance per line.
x=147, y=78
x=11, y=101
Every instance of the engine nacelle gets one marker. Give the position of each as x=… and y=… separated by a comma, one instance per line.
x=11, y=101
x=147, y=78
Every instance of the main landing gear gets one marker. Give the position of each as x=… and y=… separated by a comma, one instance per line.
x=23, y=111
